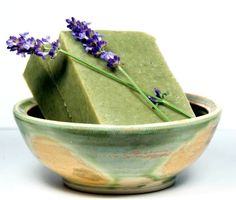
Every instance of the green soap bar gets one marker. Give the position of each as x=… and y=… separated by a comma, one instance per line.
x=68, y=91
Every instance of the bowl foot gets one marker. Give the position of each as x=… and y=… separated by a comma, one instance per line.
x=152, y=187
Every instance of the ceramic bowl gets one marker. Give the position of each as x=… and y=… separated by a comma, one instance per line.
x=121, y=159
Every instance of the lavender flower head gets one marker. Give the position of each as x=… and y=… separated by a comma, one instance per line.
x=92, y=42
x=111, y=58
x=158, y=95
x=22, y=45
x=80, y=30
x=28, y=45
x=44, y=48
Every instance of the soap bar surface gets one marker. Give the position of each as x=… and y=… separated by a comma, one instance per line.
x=68, y=91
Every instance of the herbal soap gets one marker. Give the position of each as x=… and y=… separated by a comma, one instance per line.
x=68, y=91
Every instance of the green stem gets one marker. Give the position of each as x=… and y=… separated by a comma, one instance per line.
x=123, y=82
x=158, y=111
x=97, y=69
x=173, y=107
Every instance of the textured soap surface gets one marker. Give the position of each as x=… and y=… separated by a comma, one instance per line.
x=68, y=91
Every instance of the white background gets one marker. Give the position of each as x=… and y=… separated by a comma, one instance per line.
x=196, y=37
x=198, y=41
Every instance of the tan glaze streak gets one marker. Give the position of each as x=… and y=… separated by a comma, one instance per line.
x=55, y=156
x=186, y=154
x=134, y=181
x=137, y=182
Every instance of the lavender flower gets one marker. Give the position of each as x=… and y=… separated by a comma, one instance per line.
x=111, y=59
x=92, y=42
x=158, y=94
x=22, y=45
x=44, y=48
x=94, y=45
x=54, y=49
x=80, y=30
x=153, y=99
x=28, y=45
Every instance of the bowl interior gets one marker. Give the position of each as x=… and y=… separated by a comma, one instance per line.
x=197, y=109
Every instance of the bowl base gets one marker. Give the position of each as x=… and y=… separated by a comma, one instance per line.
x=165, y=183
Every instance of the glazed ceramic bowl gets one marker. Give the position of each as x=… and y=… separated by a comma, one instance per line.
x=118, y=159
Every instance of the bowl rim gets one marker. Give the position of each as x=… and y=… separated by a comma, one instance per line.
x=20, y=113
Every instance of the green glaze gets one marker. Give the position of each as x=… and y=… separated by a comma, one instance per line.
x=118, y=158
x=67, y=91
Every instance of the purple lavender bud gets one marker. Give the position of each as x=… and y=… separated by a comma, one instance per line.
x=111, y=59
x=94, y=45
x=153, y=99
x=54, y=48
x=71, y=23
x=11, y=42
x=157, y=93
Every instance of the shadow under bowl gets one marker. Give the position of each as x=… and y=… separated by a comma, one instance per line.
x=118, y=159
